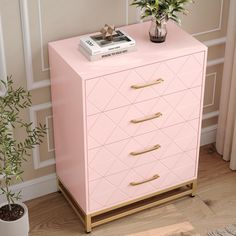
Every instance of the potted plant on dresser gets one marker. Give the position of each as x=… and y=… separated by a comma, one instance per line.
x=14, y=214
x=161, y=11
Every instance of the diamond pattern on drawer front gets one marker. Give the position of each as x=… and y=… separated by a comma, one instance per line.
x=114, y=125
x=110, y=190
x=113, y=91
x=113, y=158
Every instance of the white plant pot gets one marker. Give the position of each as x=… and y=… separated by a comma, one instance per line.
x=18, y=227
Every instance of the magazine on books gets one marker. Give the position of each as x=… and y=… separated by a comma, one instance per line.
x=96, y=44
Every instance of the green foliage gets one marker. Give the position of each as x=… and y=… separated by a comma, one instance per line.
x=12, y=152
x=162, y=9
x=149, y=7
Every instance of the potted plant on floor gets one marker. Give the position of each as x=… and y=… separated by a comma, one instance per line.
x=161, y=11
x=13, y=214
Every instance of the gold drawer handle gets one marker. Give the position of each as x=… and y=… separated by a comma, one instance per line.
x=139, y=86
x=145, y=181
x=157, y=115
x=146, y=150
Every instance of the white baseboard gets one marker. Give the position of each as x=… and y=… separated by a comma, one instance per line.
x=47, y=184
x=35, y=188
x=208, y=135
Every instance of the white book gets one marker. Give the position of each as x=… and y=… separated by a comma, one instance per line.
x=95, y=44
x=105, y=54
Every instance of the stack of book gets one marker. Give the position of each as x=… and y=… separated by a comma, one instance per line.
x=95, y=47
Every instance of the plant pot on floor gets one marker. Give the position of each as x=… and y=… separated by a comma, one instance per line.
x=14, y=224
x=14, y=220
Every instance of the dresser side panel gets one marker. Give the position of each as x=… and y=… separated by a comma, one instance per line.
x=69, y=127
x=201, y=109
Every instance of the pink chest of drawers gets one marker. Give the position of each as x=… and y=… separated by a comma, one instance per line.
x=127, y=128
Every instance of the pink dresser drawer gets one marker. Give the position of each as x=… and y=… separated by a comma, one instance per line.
x=139, y=150
x=122, y=123
x=124, y=88
x=127, y=185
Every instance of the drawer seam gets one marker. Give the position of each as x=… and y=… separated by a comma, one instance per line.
x=198, y=118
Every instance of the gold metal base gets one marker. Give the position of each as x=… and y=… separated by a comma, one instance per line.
x=101, y=217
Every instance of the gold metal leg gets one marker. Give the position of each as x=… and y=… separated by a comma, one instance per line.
x=88, y=224
x=101, y=217
x=194, y=188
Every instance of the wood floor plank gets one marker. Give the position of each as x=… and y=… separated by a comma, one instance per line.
x=176, y=230
x=215, y=204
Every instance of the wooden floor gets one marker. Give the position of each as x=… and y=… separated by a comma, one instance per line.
x=213, y=207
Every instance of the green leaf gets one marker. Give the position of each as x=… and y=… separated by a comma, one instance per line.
x=161, y=9
x=14, y=152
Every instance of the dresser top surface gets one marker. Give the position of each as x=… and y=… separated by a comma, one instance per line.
x=178, y=43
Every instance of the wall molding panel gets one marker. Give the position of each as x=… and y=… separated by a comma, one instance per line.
x=3, y=70
x=31, y=84
x=214, y=89
x=33, y=118
x=126, y=3
x=44, y=68
x=219, y=25
x=50, y=148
